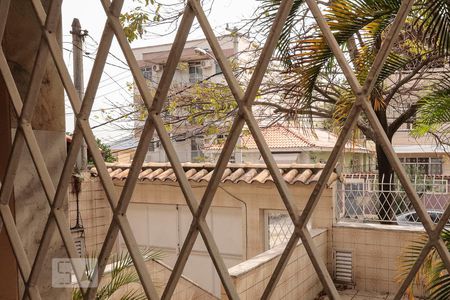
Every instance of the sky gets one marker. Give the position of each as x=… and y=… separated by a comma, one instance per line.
x=113, y=85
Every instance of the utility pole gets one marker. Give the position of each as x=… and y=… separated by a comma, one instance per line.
x=77, y=44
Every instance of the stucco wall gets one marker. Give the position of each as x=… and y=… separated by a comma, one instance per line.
x=299, y=279
x=160, y=273
x=254, y=198
x=376, y=253
x=95, y=212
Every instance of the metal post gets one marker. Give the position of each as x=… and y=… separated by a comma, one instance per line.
x=77, y=44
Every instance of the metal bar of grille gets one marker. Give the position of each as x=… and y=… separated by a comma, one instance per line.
x=236, y=127
x=145, y=139
x=57, y=220
x=58, y=60
x=4, y=9
x=351, y=123
x=18, y=249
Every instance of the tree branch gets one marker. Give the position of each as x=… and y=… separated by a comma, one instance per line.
x=291, y=111
x=405, y=116
x=367, y=131
x=406, y=79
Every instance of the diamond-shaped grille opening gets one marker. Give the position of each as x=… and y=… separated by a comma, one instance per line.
x=358, y=199
x=279, y=228
x=119, y=203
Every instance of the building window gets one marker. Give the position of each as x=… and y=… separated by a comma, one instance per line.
x=153, y=146
x=422, y=165
x=196, y=149
x=147, y=72
x=195, y=72
x=218, y=68
x=278, y=228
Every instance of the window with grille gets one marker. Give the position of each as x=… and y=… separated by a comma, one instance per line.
x=218, y=69
x=278, y=228
x=147, y=72
x=153, y=146
x=422, y=165
x=195, y=72
x=353, y=196
x=278, y=225
x=196, y=149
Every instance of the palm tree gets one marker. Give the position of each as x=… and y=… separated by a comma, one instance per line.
x=433, y=115
x=360, y=27
x=433, y=275
x=121, y=276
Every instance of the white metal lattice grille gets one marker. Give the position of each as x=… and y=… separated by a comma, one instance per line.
x=279, y=228
x=358, y=199
x=57, y=222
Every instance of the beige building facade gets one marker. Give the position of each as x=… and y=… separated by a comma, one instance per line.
x=241, y=220
x=247, y=216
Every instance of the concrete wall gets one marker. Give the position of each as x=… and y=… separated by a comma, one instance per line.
x=20, y=44
x=376, y=253
x=299, y=279
x=362, y=162
x=254, y=198
x=182, y=148
x=160, y=273
x=186, y=289
x=95, y=212
x=124, y=156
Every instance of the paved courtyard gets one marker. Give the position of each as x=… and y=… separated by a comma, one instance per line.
x=362, y=295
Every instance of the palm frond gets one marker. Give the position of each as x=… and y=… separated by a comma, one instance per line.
x=134, y=294
x=310, y=55
x=269, y=9
x=433, y=274
x=120, y=280
x=434, y=109
x=434, y=20
x=122, y=274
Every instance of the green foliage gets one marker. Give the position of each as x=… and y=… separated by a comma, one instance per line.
x=434, y=20
x=308, y=55
x=122, y=274
x=433, y=275
x=135, y=20
x=207, y=105
x=106, y=152
x=434, y=110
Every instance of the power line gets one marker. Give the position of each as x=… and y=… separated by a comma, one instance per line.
x=93, y=58
x=112, y=54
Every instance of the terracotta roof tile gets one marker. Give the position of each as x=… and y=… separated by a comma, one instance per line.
x=234, y=173
x=282, y=137
x=277, y=136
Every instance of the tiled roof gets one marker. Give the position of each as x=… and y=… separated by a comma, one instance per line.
x=277, y=137
x=234, y=173
x=282, y=137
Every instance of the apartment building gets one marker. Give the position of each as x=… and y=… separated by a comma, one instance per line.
x=420, y=155
x=197, y=67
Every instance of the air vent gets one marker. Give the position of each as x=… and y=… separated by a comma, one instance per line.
x=343, y=266
x=80, y=246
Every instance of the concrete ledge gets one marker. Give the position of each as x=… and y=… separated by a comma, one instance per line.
x=373, y=226
x=260, y=259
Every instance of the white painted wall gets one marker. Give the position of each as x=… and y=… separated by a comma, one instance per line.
x=166, y=226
